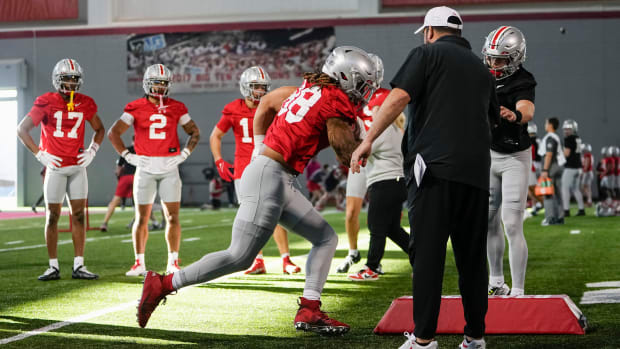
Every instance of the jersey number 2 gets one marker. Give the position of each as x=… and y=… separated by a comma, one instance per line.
x=72, y=115
x=158, y=122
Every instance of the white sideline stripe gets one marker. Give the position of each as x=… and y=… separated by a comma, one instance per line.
x=57, y=325
x=191, y=239
x=604, y=284
x=14, y=242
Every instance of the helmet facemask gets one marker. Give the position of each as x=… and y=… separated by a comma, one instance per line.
x=257, y=91
x=68, y=83
x=500, y=71
x=157, y=88
x=363, y=90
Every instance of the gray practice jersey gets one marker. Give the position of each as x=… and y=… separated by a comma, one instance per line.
x=386, y=159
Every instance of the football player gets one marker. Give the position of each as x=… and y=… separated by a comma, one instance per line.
x=537, y=201
x=155, y=118
x=504, y=52
x=587, y=173
x=572, y=168
x=62, y=115
x=239, y=114
x=309, y=118
x=356, y=181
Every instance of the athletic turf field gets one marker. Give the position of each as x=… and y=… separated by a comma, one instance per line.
x=258, y=311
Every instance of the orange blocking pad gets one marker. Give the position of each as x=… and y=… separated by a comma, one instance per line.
x=555, y=314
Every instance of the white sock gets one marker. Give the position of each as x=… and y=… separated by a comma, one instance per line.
x=311, y=295
x=172, y=256
x=517, y=292
x=78, y=261
x=259, y=256
x=284, y=255
x=140, y=259
x=353, y=252
x=496, y=281
x=54, y=263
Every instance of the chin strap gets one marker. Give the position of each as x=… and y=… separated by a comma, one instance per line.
x=71, y=105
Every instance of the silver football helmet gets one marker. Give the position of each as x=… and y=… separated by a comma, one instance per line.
x=250, y=79
x=532, y=128
x=355, y=72
x=586, y=148
x=67, y=76
x=604, y=151
x=380, y=70
x=570, y=126
x=157, y=80
x=504, y=43
x=615, y=150
x=609, y=151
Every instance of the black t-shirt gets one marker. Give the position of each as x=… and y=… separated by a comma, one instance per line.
x=512, y=137
x=453, y=105
x=573, y=142
x=534, y=141
x=127, y=168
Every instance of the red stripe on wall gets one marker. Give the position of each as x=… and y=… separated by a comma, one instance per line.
x=317, y=23
x=431, y=3
x=37, y=10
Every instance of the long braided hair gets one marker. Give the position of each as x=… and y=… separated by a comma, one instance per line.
x=321, y=79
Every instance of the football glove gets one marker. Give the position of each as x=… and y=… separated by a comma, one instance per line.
x=223, y=168
x=88, y=155
x=47, y=159
x=176, y=160
x=131, y=158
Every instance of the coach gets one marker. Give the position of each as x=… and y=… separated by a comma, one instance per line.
x=446, y=151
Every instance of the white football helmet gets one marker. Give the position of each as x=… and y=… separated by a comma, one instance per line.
x=157, y=74
x=67, y=76
x=532, y=128
x=250, y=79
x=616, y=150
x=508, y=43
x=380, y=70
x=570, y=126
x=586, y=148
x=604, y=151
x=355, y=72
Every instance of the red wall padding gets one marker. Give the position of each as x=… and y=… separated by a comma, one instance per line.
x=37, y=10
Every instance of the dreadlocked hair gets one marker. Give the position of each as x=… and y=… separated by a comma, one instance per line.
x=320, y=79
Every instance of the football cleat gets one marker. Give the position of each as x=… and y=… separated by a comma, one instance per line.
x=173, y=267
x=103, y=227
x=289, y=267
x=581, y=213
x=348, y=262
x=257, y=268
x=364, y=275
x=82, y=273
x=52, y=273
x=310, y=318
x=153, y=292
x=136, y=270
x=474, y=344
x=502, y=290
x=410, y=343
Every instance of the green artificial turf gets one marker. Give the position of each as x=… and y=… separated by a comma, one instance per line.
x=257, y=311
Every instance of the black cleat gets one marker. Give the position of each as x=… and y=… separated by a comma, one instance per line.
x=82, y=273
x=52, y=273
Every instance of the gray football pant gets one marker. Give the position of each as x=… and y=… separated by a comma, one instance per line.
x=570, y=184
x=508, y=194
x=553, y=203
x=267, y=197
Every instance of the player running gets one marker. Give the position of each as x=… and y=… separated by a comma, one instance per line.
x=62, y=115
x=239, y=115
x=318, y=113
x=155, y=118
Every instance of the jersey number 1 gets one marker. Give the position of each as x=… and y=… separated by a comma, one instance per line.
x=246, y=131
x=72, y=115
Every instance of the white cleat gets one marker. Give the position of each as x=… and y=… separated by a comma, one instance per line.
x=410, y=343
x=137, y=270
x=474, y=344
x=173, y=267
x=502, y=290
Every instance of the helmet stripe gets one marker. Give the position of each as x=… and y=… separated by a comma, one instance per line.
x=161, y=69
x=498, y=33
x=262, y=75
x=71, y=63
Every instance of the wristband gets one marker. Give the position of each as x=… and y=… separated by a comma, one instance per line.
x=125, y=152
x=186, y=151
x=258, y=139
x=94, y=146
x=519, y=116
x=545, y=170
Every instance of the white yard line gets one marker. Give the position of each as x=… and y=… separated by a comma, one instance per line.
x=14, y=242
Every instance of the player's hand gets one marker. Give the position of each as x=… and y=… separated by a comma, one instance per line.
x=88, y=155
x=223, y=168
x=47, y=159
x=507, y=114
x=176, y=160
x=131, y=158
x=360, y=156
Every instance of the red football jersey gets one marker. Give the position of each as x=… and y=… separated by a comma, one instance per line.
x=155, y=128
x=299, y=131
x=62, y=131
x=607, y=166
x=240, y=117
x=376, y=100
x=616, y=165
x=586, y=161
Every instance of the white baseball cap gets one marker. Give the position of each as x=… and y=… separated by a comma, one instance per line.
x=442, y=16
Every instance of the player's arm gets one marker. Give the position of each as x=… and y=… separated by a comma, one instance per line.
x=215, y=141
x=268, y=107
x=97, y=125
x=342, y=138
x=194, y=135
x=524, y=107
x=114, y=135
x=23, y=133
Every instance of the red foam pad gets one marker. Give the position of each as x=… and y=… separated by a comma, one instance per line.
x=505, y=315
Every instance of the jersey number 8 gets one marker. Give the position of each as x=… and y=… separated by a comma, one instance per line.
x=298, y=104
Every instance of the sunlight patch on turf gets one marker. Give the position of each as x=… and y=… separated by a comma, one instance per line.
x=116, y=339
